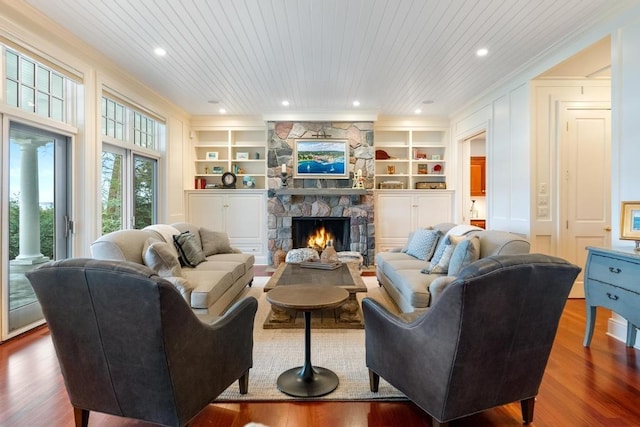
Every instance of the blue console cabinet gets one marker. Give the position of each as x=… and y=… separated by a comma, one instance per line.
x=612, y=280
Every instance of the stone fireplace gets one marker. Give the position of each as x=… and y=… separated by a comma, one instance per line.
x=321, y=200
x=356, y=210
x=315, y=232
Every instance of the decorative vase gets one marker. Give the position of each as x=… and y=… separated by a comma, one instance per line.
x=329, y=253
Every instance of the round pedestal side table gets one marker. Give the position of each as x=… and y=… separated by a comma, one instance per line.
x=307, y=380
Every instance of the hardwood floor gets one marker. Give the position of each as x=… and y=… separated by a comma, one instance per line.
x=599, y=386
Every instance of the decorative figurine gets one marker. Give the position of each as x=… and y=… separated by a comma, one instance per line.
x=358, y=179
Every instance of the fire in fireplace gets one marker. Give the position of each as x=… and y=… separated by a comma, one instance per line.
x=314, y=232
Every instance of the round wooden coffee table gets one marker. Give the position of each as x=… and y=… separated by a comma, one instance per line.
x=307, y=380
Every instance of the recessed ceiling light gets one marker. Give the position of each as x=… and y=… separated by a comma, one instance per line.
x=159, y=51
x=482, y=52
x=285, y=103
x=418, y=111
x=222, y=111
x=356, y=103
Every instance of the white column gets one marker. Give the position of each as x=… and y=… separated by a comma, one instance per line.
x=29, y=205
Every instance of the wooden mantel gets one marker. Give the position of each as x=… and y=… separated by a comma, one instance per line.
x=321, y=192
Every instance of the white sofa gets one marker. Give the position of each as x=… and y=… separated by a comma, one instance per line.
x=404, y=276
x=209, y=287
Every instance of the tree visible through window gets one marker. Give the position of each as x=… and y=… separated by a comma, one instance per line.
x=144, y=187
x=129, y=167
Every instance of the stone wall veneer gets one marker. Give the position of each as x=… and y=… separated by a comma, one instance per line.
x=282, y=208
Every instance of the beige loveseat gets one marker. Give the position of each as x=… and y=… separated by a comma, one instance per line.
x=414, y=282
x=209, y=287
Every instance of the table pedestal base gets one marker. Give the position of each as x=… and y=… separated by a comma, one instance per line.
x=295, y=382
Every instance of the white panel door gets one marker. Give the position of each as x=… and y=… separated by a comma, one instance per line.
x=585, y=181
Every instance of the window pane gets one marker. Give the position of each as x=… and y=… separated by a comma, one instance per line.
x=57, y=85
x=43, y=79
x=112, y=203
x=120, y=114
x=57, y=110
x=28, y=101
x=12, y=65
x=43, y=104
x=111, y=130
x=27, y=72
x=119, y=131
x=111, y=109
x=12, y=93
x=144, y=187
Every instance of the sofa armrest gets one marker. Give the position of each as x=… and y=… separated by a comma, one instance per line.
x=182, y=285
x=438, y=286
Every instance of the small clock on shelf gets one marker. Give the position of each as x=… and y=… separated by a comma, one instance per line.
x=229, y=180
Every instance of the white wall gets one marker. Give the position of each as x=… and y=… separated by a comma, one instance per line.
x=22, y=26
x=626, y=123
x=505, y=117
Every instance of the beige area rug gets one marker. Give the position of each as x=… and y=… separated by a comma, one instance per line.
x=340, y=350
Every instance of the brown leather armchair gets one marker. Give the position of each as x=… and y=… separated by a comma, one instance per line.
x=484, y=343
x=129, y=345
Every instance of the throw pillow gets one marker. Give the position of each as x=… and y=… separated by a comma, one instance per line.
x=160, y=257
x=188, y=251
x=441, y=265
x=464, y=254
x=406, y=246
x=423, y=243
x=214, y=242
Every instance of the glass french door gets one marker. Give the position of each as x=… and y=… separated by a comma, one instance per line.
x=38, y=223
x=129, y=189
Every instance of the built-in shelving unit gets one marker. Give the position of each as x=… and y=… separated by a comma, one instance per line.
x=410, y=159
x=240, y=151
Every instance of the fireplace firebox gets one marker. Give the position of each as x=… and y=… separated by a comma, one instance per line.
x=314, y=232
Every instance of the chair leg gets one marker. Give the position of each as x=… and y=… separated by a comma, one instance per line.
x=527, y=409
x=436, y=423
x=374, y=381
x=81, y=417
x=243, y=382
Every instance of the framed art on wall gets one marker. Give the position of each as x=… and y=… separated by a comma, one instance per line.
x=630, y=222
x=321, y=158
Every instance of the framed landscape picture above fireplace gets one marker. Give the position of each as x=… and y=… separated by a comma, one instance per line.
x=321, y=158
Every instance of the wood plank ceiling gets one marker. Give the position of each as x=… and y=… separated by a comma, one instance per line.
x=321, y=55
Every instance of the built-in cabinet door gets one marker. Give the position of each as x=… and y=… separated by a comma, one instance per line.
x=393, y=212
x=399, y=213
x=478, y=174
x=206, y=210
x=432, y=208
x=244, y=215
x=241, y=214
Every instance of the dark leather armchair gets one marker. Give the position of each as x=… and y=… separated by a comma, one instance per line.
x=129, y=345
x=484, y=343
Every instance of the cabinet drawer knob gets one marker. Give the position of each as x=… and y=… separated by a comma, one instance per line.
x=611, y=296
x=615, y=270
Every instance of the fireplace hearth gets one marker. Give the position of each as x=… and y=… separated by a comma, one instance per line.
x=348, y=218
